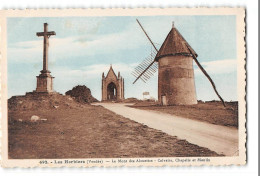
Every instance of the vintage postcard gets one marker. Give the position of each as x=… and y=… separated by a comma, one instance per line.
x=123, y=87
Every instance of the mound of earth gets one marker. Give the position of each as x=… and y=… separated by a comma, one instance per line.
x=36, y=101
x=81, y=94
x=90, y=132
x=146, y=103
x=131, y=100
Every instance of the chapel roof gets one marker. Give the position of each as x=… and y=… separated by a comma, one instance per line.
x=111, y=72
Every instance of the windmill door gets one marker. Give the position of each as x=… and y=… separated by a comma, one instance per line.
x=164, y=102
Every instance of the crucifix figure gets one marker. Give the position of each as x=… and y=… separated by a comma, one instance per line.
x=45, y=80
x=46, y=36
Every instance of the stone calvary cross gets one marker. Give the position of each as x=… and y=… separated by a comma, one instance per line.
x=45, y=80
x=46, y=36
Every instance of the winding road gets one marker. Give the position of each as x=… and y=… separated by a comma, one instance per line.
x=221, y=139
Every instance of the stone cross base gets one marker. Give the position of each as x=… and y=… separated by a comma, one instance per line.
x=45, y=82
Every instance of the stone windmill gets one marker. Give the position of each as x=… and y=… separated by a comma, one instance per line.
x=174, y=61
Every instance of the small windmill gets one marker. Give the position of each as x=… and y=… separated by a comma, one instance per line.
x=173, y=61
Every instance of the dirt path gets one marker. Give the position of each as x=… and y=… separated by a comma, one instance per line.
x=221, y=139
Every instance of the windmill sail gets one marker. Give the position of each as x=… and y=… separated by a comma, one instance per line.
x=149, y=66
x=146, y=69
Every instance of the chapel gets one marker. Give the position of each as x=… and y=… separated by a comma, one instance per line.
x=112, y=86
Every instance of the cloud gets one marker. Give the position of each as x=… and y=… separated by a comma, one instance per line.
x=76, y=46
x=93, y=71
x=218, y=67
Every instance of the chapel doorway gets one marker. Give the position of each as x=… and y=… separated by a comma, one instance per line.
x=111, y=91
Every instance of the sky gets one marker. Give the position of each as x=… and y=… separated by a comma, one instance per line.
x=85, y=47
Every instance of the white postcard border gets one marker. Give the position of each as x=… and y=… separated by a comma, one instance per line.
x=108, y=162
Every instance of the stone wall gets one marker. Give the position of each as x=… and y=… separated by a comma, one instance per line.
x=176, y=85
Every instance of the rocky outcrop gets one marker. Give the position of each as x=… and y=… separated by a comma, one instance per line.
x=81, y=94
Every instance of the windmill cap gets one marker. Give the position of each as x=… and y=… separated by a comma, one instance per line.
x=175, y=44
